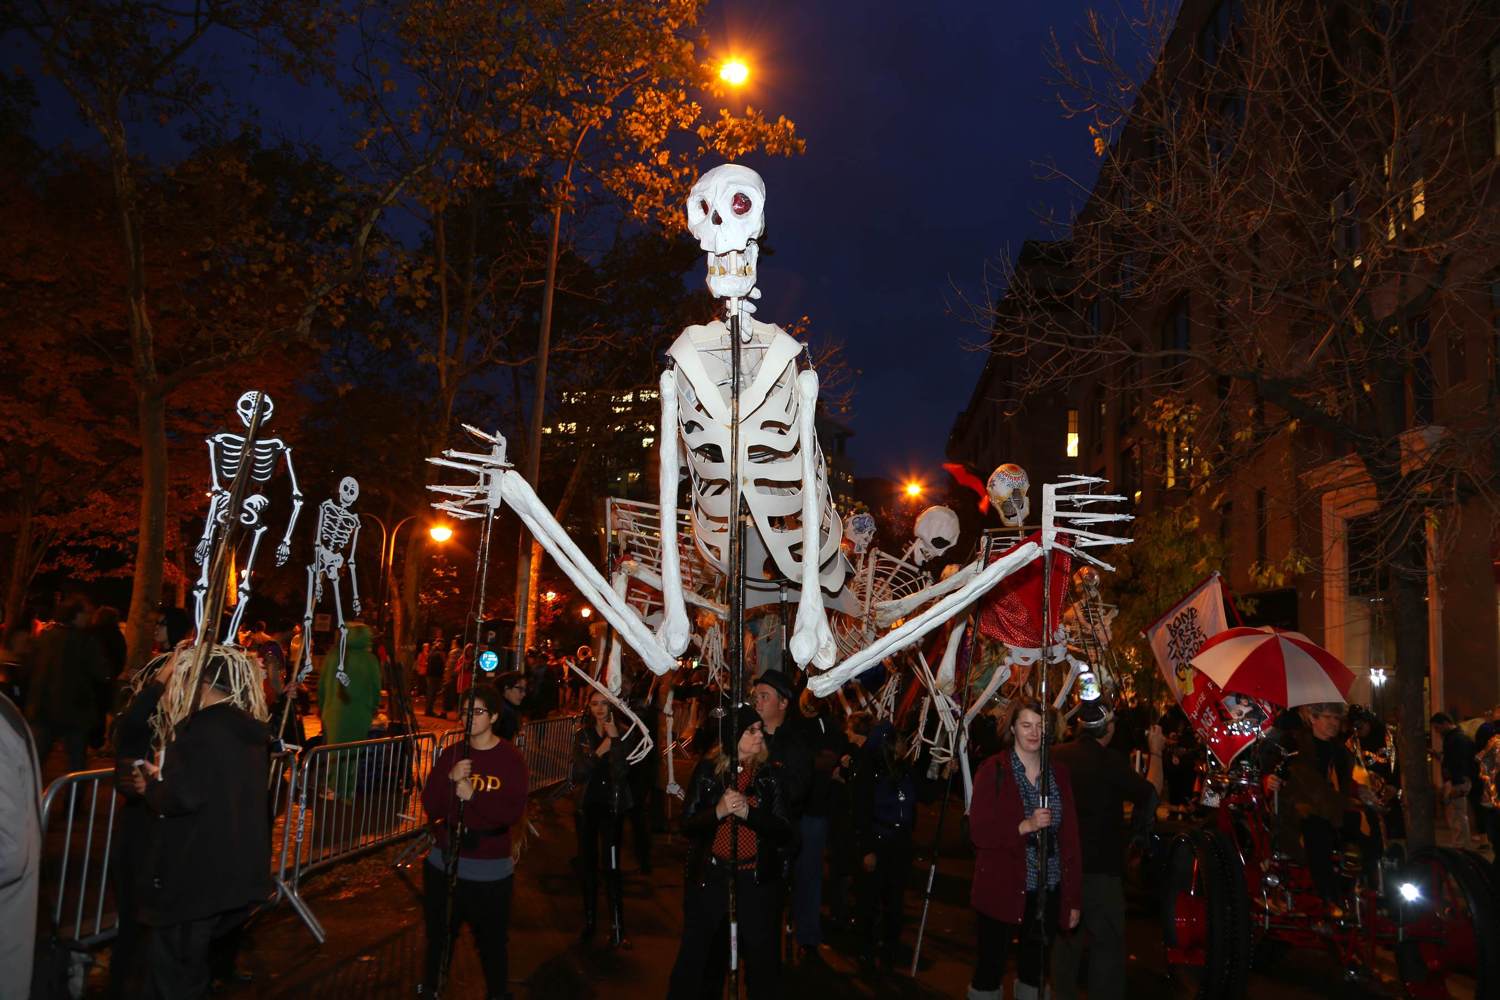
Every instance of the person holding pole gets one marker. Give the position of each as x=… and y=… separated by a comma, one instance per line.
x=601, y=775
x=737, y=821
x=1013, y=865
x=488, y=775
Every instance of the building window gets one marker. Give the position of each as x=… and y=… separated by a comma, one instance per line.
x=1405, y=175
x=1262, y=529
x=647, y=442
x=1494, y=68
x=1347, y=237
x=1419, y=378
x=1072, y=433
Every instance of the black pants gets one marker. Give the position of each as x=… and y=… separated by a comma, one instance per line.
x=599, y=831
x=703, y=957
x=1100, y=933
x=179, y=956
x=643, y=795
x=485, y=907
x=880, y=896
x=995, y=938
x=130, y=849
x=432, y=685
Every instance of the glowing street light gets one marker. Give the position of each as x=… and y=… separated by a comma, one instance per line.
x=440, y=532
x=913, y=489
x=734, y=72
x=586, y=613
x=550, y=596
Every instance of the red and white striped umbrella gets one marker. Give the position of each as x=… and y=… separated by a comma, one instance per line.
x=1286, y=668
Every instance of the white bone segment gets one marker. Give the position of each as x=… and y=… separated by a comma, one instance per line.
x=889, y=611
x=642, y=749
x=517, y=493
x=612, y=673
x=925, y=622
x=675, y=630
x=337, y=530
x=636, y=571
x=669, y=751
x=947, y=674
x=812, y=641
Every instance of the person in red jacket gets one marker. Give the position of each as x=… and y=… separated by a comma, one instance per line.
x=1010, y=865
x=491, y=781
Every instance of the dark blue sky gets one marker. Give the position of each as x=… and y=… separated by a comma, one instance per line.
x=924, y=124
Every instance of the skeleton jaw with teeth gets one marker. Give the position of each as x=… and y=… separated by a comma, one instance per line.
x=726, y=211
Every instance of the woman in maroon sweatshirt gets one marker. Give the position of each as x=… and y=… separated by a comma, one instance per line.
x=1004, y=819
x=491, y=781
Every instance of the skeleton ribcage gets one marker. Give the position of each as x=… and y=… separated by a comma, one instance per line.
x=634, y=528
x=230, y=450
x=878, y=577
x=770, y=459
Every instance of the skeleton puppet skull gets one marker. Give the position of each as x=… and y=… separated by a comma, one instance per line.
x=245, y=407
x=726, y=211
x=859, y=528
x=1007, y=487
x=348, y=491
x=937, y=532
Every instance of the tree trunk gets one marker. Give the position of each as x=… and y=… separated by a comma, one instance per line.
x=145, y=592
x=524, y=571
x=22, y=565
x=1409, y=604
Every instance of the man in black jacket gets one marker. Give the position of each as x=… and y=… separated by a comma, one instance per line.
x=1103, y=782
x=210, y=857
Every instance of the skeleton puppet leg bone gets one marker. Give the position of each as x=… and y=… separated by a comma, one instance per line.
x=812, y=641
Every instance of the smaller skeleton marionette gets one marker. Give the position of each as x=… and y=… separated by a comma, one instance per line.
x=338, y=533
x=226, y=455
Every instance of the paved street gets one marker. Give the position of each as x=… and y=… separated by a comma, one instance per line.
x=375, y=939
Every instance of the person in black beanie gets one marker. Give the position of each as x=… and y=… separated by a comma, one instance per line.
x=737, y=821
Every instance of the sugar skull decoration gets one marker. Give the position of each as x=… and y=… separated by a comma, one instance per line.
x=859, y=528
x=1008, y=487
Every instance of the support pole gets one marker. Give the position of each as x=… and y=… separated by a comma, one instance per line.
x=736, y=628
x=937, y=837
x=455, y=835
x=1044, y=835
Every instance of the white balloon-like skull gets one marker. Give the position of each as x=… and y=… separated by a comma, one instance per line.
x=937, y=531
x=1008, y=486
x=859, y=528
x=348, y=491
x=726, y=211
x=245, y=407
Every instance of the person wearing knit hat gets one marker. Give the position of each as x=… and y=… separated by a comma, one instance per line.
x=736, y=819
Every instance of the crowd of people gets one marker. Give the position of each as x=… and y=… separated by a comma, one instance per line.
x=799, y=812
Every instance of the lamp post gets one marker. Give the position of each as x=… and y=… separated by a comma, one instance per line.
x=438, y=533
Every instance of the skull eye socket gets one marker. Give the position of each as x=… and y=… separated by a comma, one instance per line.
x=740, y=203
x=703, y=206
x=940, y=543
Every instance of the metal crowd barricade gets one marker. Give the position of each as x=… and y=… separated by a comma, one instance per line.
x=79, y=813
x=549, y=751
x=80, y=830
x=347, y=799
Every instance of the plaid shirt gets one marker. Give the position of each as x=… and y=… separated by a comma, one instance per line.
x=1031, y=801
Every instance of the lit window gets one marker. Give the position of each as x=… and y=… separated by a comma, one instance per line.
x=647, y=442
x=1072, y=433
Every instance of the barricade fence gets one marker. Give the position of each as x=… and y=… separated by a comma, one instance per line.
x=327, y=805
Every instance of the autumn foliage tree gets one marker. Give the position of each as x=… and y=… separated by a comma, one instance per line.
x=1292, y=237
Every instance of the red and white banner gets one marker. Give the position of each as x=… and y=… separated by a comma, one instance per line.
x=1176, y=636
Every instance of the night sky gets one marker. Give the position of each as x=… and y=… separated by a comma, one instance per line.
x=925, y=124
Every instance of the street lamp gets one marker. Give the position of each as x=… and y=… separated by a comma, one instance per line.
x=913, y=489
x=1377, y=681
x=437, y=532
x=734, y=72
x=440, y=533
x=586, y=613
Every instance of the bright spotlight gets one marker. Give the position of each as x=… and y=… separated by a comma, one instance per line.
x=1409, y=892
x=734, y=72
x=440, y=532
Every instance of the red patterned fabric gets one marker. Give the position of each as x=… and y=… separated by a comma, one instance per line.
x=744, y=840
x=1012, y=612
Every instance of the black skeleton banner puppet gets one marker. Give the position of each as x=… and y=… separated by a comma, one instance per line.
x=226, y=454
x=338, y=532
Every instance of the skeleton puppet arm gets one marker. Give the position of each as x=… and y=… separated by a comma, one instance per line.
x=917, y=627
x=675, y=630
x=889, y=611
x=539, y=521
x=353, y=575
x=813, y=639
x=284, y=550
x=636, y=571
x=215, y=498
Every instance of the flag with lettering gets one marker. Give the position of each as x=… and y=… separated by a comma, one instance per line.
x=1176, y=636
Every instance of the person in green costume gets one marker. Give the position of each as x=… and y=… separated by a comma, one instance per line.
x=348, y=711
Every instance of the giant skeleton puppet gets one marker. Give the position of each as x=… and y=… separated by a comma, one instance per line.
x=226, y=455
x=338, y=531
x=782, y=476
